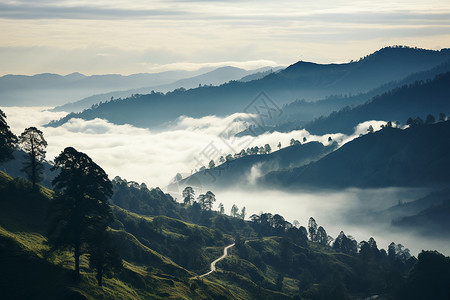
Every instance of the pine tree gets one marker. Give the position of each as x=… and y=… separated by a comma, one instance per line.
x=34, y=144
x=188, y=195
x=234, y=211
x=80, y=205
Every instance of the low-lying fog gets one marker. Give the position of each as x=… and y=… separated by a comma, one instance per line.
x=155, y=157
x=350, y=210
x=143, y=155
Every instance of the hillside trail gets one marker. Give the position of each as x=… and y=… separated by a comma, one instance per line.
x=213, y=264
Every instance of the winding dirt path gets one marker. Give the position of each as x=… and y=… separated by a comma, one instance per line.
x=213, y=264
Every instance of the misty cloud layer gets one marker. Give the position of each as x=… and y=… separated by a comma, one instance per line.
x=156, y=157
x=351, y=210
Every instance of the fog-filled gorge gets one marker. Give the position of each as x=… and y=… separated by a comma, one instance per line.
x=351, y=210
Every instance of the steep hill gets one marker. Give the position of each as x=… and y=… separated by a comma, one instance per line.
x=271, y=259
x=28, y=271
x=243, y=171
x=301, y=80
x=433, y=221
x=416, y=156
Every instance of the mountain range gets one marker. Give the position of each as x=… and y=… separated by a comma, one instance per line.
x=301, y=80
x=301, y=113
x=418, y=99
x=53, y=89
x=215, y=77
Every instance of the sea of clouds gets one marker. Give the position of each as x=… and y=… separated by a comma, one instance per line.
x=155, y=157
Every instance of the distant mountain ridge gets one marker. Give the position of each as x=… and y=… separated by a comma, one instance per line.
x=298, y=81
x=52, y=89
x=300, y=112
x=214, y=77
x=418, y=99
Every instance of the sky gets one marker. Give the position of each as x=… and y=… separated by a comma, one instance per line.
x=137, y=36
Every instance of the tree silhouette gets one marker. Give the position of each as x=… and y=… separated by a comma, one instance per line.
x=418, y=121
x=221, y=209
x=188, y=195
x=81, y=203
x=234, y=211
x=34, y=144
x=410, y=122
x=294, y=142
x=206, y=201
x=312, y=229
x=267, y=148
x=345, y=244
x=8, y=139
x=211, y=164
x=321, y=236
x=430, y=119
x=243, y=213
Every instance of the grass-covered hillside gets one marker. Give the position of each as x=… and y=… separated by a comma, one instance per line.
x=162, y=257
x=30, y=271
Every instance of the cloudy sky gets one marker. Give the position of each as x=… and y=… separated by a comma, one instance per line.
x=118, y=36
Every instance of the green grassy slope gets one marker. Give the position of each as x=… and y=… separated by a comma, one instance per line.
x=30, y=272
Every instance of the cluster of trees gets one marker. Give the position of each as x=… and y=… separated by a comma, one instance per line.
x=364, y=269
x=266, y=149
x=80, y=212
x=31, y=141
x=430, y=119
x=267, y=224
x=205, y=201
x=138, y=198
x=234, y=212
